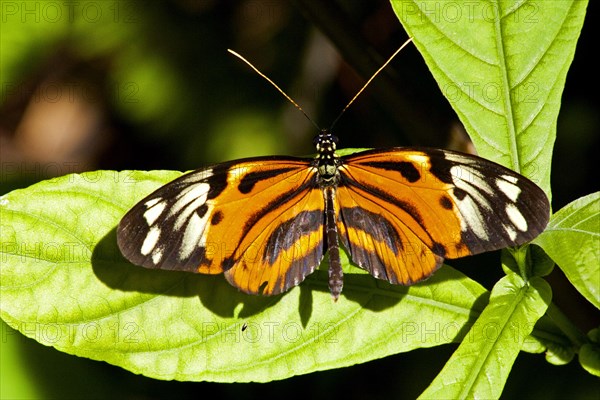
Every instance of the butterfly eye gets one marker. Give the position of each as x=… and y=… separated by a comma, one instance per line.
x=325, y=136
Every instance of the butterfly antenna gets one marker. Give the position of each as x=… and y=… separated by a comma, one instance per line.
x=369, y=81
x=276, y=87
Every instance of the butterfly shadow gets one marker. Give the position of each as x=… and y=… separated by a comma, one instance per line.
x=378, y=295
x=370, y=293
x=213, y=291
x=222, y=299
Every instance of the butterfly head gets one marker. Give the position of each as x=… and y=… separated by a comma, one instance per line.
x=325, y=142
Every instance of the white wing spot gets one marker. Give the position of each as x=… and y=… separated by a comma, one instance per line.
x=474, y=203
x=150, y=240
x=472, y=218
x=152, y=214
x=192, y=234
x=510, y=178
x=510, y=189
x=473, y=183
x=464, y=177
x=196, y=193
x=197, y=176
x=157, y=256
x=190, y=209
x=516, y=217
x=512, y=233
x=454, y=157
x=151, y=203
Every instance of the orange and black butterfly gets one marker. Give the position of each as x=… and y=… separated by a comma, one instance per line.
x=267, y=222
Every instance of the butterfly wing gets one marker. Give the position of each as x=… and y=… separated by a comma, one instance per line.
x=258, y=220
x=402, y=211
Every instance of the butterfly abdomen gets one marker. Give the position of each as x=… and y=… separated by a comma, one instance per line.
x=336, y=274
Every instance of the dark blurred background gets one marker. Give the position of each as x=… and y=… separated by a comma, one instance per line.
x=149, y=85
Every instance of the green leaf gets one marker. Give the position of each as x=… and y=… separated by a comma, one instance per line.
x=572, y=240
x=481, y=364
x=65, y=284
x=589, y=354
x=589, y=358
x=559, y=355
x=534, y=262
x=502, y=65
x=548, y=337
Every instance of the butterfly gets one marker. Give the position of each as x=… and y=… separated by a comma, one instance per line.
x=267, y=222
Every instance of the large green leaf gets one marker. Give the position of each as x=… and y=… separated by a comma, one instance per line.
x=481, y=364
x=502, y=65
x=572, y=240
x=65, y=284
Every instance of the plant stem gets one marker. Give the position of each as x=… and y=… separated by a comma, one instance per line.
x=566, y=326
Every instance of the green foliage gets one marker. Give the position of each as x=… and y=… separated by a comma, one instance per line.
x=492, y=61
x=496, y=82
x=481, y=364
x=572, y=240
x=589, y=355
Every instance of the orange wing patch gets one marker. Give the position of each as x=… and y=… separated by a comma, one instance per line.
x=282, y=244
x=393, y=228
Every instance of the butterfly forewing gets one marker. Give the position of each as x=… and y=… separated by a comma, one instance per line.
x=402, y=211
x=165, y=229
x=249, y=218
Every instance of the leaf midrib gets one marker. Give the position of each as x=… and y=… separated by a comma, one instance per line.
x=507, y=98
x=489, y=345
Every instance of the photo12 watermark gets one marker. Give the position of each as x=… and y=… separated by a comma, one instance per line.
x=68, y=11
x=88, y=333
x=72, y=92
x=465, y=11
x=270, y=332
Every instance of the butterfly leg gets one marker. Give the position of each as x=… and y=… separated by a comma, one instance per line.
x=336, y=275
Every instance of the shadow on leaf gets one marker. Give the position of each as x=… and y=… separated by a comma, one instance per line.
x=213, y=291
x=218, y=296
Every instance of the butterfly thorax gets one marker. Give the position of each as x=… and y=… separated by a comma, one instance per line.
x=327, y=161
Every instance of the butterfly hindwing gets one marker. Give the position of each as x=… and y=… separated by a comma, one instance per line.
x=283, y=246
x=402, y=211
x=246, y=218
